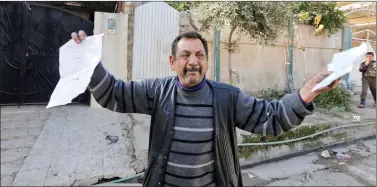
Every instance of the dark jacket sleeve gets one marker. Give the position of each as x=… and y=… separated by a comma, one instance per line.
x=363, y=67
x=119, y=96
x=271, y=118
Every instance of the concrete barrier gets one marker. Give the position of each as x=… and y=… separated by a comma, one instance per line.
x=271, y=154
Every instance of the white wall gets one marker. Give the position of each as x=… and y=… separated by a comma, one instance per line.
x=114, y=49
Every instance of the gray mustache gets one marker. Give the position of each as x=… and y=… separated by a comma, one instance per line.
x=192, y=69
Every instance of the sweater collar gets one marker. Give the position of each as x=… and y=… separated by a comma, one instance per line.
x=191, y=89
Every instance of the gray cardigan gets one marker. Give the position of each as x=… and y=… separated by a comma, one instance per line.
x=232, y=108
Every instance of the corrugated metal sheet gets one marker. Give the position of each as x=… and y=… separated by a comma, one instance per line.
x=156, y=25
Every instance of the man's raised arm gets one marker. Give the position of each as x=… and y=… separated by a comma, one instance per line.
x=119, y=96
x=271, y=118
x=363, y=67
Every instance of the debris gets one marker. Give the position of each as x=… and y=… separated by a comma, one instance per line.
x=307, y=177
x=367, y=149
x=362, y=146
x=343, y=156
x=250, y=175
x=325, y=154
x=342, y=163
x=113, y=139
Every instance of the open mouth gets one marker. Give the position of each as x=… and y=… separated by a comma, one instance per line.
x=192, y=72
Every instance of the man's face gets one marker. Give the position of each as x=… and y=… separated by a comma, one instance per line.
x=190, y=62
x=369, y=57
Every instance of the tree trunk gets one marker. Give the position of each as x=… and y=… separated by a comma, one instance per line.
x=230, y=55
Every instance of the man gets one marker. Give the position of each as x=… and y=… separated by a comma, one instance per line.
x=368, y=69
x=192, y=139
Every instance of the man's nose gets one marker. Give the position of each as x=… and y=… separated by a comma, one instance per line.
x=193, y=60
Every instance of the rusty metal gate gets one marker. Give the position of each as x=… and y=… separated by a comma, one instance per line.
x=30, y=38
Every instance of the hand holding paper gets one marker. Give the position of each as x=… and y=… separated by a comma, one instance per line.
x=77, y=64
x=341, y=64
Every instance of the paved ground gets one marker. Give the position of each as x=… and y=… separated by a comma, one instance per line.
x=72, y=148
x=20, y=128
x=68, y=146
x=313, y=170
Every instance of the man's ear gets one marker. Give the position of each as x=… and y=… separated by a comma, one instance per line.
x=171, y=61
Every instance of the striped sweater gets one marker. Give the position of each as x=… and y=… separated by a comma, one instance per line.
x=191, y=160
x=253, y=115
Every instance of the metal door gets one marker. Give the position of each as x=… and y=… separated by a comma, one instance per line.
x=156, y=26
x=30, y=38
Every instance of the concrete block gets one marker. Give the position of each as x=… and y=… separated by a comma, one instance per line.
x=117, y=149
x=34, y=162
x=7, y=179
x=89, y=139
x=50, y=142
x=90, y=168
x=37, y=122
x=286, y=168
x=11, y=133
x=364, y=171
x=141, y=134
x=14, y=154
x=31, y=177
x=119, y=184
x=319, y=178
x=9, y=143
x=87, y=181
x=141, y=162
x=116, y=166
x=11, y=166
x=75, y=125
x=14, y=124
x=40, y=147
x=27, y=141
x=35, y=131
x=89, y=154
x=65, y=158
x=61, y=175
x=371, y=161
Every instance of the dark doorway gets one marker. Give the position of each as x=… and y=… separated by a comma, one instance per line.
x=30, y=38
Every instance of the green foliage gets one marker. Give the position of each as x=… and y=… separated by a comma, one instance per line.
x=246, y=152
x=262, y=22
x=337, y=98
x=323, y=15
x=271, y=94
x=183, y=5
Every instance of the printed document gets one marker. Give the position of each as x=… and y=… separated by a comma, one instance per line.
x=76, y=66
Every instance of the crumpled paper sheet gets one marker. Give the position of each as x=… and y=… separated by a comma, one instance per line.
x=341, y=64
x=76, y=66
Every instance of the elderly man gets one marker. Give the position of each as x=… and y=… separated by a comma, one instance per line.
x=193, y=138
x=368, y=70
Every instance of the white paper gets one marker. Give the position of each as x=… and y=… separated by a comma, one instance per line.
x=341, y=64
x=76, y=66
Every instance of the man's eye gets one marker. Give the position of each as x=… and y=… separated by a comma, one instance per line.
x=184, y=55
x=200, y=55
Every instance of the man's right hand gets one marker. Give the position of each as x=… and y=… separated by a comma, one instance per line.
x=78, y=37
x=367, y=61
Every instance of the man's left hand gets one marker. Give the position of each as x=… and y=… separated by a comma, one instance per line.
x=306, y=92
